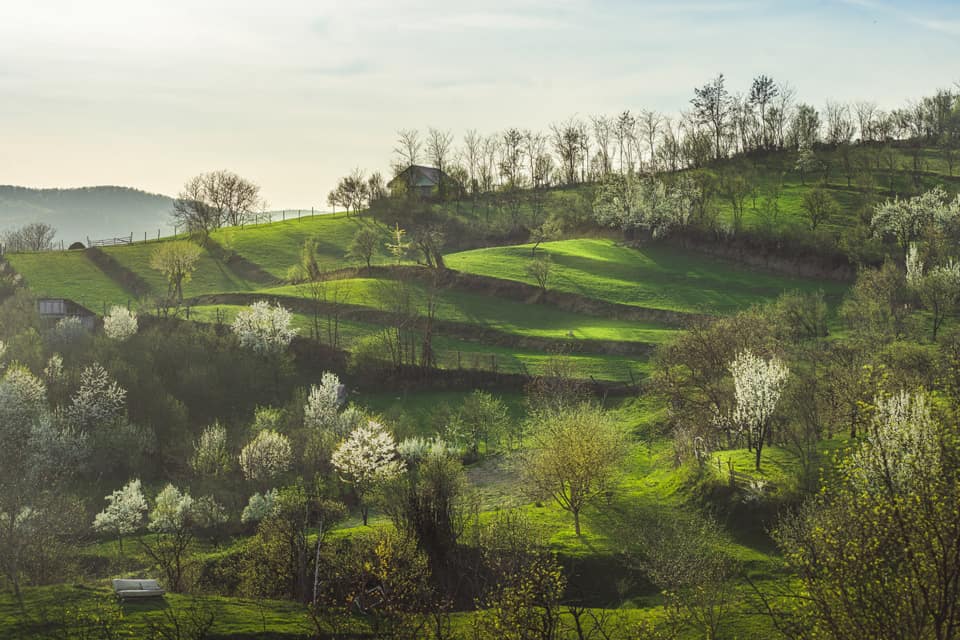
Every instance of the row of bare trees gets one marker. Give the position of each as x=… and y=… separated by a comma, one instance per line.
x=718, y=124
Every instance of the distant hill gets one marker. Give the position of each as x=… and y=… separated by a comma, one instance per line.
x=94, y=212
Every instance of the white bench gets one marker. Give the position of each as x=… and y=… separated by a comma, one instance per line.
x=137, y=588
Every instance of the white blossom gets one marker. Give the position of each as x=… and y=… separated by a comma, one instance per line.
x=757, y=384
x=914, y=266
x=120, y=324
x=23, y=397
x=54, y=369
x=323, y=404
x=124, y=512
x=631, y=202
x=172, y=511
x=906, y=219
x=69, y=329
x=211, y=456
x=368, y=455
x=901, y=444
x=3, y=352
x=267, y=456
x=263, y=328
x=417, y=449
x=259, y=506
x=99, y=400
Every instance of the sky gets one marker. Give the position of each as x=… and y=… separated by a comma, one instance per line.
x=293, y=94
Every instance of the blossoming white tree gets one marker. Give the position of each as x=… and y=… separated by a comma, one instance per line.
x=939, y=291
x=37, y=457
x=172, y=520
x=758, y=384
x=905, y=220
x=264, y=329
x=900, y=447
x=259, y=506
x=323, y=404
x=366, y=458
x=124, y=512
x=120, y=324
x=266, y=457
x=53, y=370
x=99, y=400
x=211, y=456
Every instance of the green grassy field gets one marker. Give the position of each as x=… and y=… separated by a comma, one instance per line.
x=657, y=277
x=211, y=275
x=496, y=313
x=69, y=274
x=276, y=246
x=454, y=353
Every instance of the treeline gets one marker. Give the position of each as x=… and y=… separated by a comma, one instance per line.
x=719, y=123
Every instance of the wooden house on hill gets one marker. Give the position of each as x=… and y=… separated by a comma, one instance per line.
x=426, y=182
x=52, y=310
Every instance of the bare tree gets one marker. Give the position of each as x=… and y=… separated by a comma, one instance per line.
x=215, y=199
x=407, y=149
x=439, y=145
x=36, y=236
x=840, y=127
x=624, y=132
x=866, y=112
x=650, y=124
x=472, y=155
x=534, y=146
x=602, y=134
x=567, y=144
x=511, y=157
x=780, y=114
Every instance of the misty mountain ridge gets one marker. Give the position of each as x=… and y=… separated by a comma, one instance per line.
x=87, y=212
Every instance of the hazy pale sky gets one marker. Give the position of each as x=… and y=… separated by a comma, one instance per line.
x=294, y=93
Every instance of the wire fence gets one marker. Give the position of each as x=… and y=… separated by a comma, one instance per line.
x=264, y=217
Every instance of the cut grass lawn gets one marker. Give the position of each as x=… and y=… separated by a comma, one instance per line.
x=657, y=277
x=496, y=313
x=69, y=274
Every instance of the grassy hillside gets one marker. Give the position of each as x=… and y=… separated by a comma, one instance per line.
x=276, y=246
x=658, y=277
x=69, y=274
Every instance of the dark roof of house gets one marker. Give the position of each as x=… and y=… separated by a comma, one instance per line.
x=422, y=176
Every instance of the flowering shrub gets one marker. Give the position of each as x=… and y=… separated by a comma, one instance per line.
x=263, y=328
x=266, y=456
x=120, y=324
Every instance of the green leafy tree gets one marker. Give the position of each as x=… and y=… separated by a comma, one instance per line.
x=574, y=457
x=877, y=552
x=364, y=245
x=819, y=206
x=177, y=260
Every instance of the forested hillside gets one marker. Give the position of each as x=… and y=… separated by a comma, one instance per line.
x=86, y=212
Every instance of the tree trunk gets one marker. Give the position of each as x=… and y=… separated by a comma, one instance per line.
x=576, y=521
